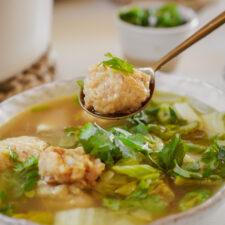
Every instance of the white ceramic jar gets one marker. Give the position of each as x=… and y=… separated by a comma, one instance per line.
x=25, y=27
x=143, y=46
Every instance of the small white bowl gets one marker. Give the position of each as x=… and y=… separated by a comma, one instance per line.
x=143, y=46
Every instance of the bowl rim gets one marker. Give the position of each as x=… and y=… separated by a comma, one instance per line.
x=216, y=198
x=192, y=22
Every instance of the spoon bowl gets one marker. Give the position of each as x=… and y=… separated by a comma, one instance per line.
x=201, y=33
x=120, y=116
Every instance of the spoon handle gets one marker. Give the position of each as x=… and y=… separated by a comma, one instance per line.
x=204, y=31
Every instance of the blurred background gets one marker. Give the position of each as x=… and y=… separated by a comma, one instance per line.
x=60, y=39
x=83, y=30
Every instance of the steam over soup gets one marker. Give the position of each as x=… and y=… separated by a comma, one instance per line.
x=61, y=166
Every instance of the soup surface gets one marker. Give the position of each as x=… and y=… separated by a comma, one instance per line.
x=82, y=170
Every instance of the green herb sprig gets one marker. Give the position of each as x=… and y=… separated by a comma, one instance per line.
x=118, y=64
x=22, y=178
x=166, y=16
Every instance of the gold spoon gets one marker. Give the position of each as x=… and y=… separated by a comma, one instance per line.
x=201, y=33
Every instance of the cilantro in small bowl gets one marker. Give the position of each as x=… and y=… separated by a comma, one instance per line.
x=150, y=29
x=167, y=15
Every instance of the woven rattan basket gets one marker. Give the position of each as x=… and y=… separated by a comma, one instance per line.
x=40, y=72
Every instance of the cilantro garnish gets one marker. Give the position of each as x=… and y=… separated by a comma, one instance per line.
x=166, y=16
x=22, y=178
x=118, y=64
x=172, y=151
x=3, y=196
x=80, y=83
x=214, y=159
x=110, y=146
x=27, y=174
x=12, y=154
x=27, y=165
x=101, y=144
x=8, y=209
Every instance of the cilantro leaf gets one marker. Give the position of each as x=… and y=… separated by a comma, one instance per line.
x=134, y=143
x=210, y=158
x=98, y=143
x=102, y=144
x=76, y=101
x=139, y=128
x=118, y=64
x=166, y=16
x=110, y=146
x=31, y=180
x=221, y=154
x=173, y=150
x=22, y=178
x=3, y=196
x=138, y=142
x=8, y=209
x=12, y=154
x=27, y=165
x=214, y=160
x=136, y=16
x=80, y=83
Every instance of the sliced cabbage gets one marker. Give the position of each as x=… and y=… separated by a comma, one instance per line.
x=127, y=189
x=186, y=112
x=199, y=106
x=180, y=181
x=90, y=216
x=193, y=198
x=165, y=97
x=136, y=171
x=194, y=148
x=141, y=215
x=214, y=123
x=35, y=216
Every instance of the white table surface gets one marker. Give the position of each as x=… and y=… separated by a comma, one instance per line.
x=83, y=30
